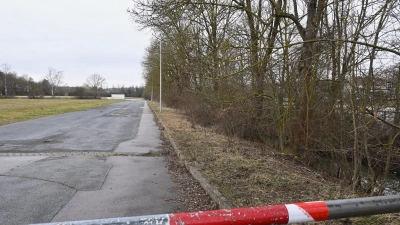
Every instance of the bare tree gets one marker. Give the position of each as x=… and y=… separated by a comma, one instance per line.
x=95, y=82
x=5, y=68
x=55, y=80
x=301, y=75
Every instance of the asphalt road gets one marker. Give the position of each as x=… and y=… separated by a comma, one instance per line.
x=100, y=129
x=55, y=169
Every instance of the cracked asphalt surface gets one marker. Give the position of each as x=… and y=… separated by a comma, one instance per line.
x=55, y=169
x=100, y=129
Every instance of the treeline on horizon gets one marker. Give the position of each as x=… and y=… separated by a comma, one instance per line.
x=316, y=79
x=25, y=85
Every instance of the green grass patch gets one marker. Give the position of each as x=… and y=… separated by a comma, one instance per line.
x=17, y=110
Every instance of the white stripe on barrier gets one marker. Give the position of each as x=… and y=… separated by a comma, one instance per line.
x=298, y=214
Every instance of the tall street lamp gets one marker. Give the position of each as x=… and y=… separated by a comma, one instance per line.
x=160, y=81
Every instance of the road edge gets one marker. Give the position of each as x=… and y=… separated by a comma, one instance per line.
x=212, y=191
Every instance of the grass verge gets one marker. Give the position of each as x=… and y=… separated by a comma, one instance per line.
x=250, y=174
x=17, y=110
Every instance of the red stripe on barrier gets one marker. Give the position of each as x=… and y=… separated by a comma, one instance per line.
x=318, y=210
x=264, y=215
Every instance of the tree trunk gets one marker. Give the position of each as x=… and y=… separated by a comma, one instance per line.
x=306, y=72
x=256, y=69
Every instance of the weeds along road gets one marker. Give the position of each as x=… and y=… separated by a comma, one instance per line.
x=84, y=165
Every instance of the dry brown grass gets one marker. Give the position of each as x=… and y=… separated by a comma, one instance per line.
x=250, y=174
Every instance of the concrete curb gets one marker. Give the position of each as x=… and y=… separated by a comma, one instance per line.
x=213, y=192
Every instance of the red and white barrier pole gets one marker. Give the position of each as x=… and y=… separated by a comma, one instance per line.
x=264, y=215
x=277, y=214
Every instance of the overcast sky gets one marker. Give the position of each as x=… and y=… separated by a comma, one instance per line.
x=79, y=37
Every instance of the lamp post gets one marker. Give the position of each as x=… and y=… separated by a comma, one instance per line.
x=160, y=81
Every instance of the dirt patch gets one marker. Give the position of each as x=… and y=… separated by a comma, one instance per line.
x=247, y=173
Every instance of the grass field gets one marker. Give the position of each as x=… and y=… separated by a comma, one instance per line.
x=17, y=110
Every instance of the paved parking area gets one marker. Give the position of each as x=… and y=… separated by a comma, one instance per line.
x=48, y=176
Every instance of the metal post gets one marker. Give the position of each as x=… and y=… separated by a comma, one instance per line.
x=160, y=81
x=151, y=99
x=264, y=215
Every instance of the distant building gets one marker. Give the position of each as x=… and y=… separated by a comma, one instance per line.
x=118, y=96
